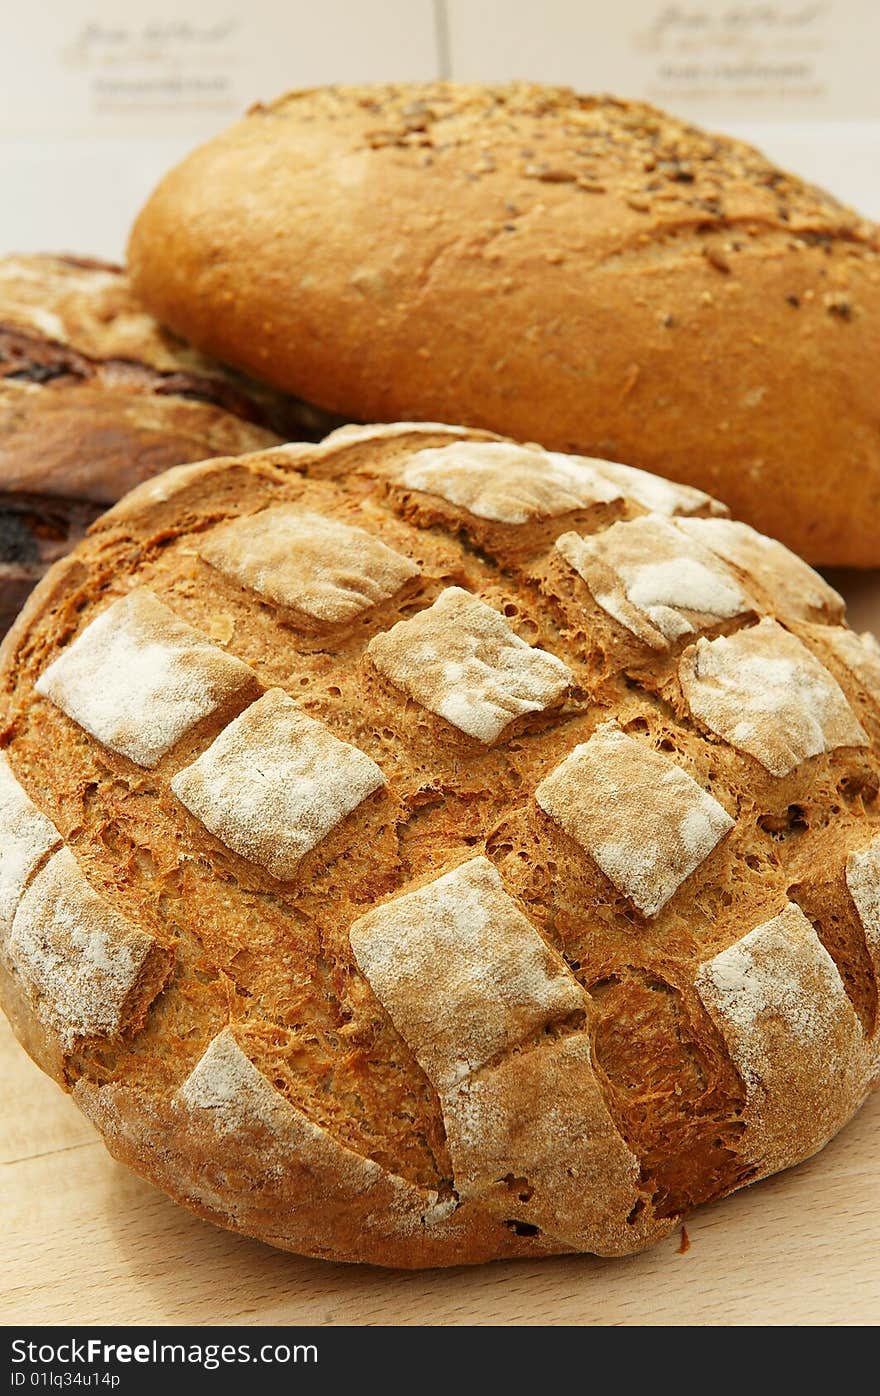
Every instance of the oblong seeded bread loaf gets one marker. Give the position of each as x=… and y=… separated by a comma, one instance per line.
x=94, y=397
x=591, y=274
x=420, y=848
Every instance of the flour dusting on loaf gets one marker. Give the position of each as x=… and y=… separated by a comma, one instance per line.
x=394, y=881
x=463, y=661
x=138, y=678
x=859, y=653
x=75, y=953
x=863, y=882
x=313, y=564
x=493, y=980
x=505, y=483
x=26, y=836
x=765, y=693
x=653, y=581
x=226, y=1091
x=790, y=587
x=646, y=822
x=792, y=1032
x=275, y=782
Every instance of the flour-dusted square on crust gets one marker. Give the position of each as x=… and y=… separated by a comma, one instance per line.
x=275, y=782
x=793, y=587
x=79, y=957
x=505, y=483
x=652, y=492
x=138, y=678
x=228, y=1095
x=310, y=563
x=779, y=1002
x=863, y=882
x=26, y=836
x=540, y=1116
x=763, y=691
x=860, y=654
x=462, y=972
x=653, y=580
x=644, y=820
x=461, y=660
x=778, y=976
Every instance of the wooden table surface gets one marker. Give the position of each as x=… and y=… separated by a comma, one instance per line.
x=86, y=1242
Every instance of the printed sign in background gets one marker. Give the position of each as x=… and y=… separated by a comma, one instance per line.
x=713, y=60
x=97, y=97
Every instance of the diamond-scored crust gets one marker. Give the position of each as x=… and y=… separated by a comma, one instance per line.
x=295, y=1185
x=766, y=694
x=860, y=654
x=462, y=972
x=610, y=1101
x=467, y=980
x=275, y=782
x=653, y=493
x=787, y=585
x=644, y=820
x=540, y=1116
x=462, y=660
x=315, y=565
x=863, y=883
x=78, y=958
x=138, y=678
x=26, y=836
x=793, y=1035
x=505, y=483
x=654, y=581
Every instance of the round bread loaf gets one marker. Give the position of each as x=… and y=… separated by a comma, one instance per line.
x=94, y=397
x=421, y=848
x=590, y=274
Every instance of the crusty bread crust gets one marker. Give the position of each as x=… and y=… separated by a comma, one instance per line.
x=544, y=953
x=587, y=273
x=96, y=396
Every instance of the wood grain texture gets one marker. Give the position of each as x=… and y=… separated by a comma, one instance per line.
x=86, y=1242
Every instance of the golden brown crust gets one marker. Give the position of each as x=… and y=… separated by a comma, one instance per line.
x=658, y=295
x=96, y=396
x=451, y=998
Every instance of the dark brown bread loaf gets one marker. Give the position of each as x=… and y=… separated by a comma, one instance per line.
x=420, y=849
x=591, y=274
x=94, y=397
